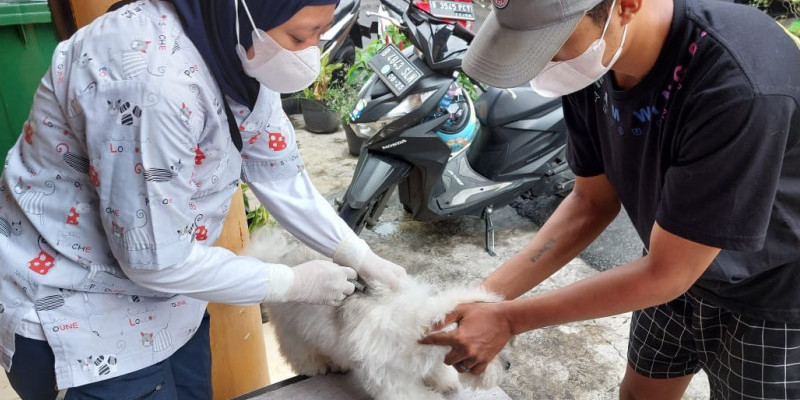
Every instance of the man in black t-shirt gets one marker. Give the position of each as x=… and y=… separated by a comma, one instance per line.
x=687, y=114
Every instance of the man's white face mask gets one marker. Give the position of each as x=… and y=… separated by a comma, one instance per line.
x=278, y=69
x=561, y=78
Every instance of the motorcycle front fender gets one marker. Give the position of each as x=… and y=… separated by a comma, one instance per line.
x=374, y=174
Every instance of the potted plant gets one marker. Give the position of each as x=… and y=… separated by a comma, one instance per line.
x=317, y=113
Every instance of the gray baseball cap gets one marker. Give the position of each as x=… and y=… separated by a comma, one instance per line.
x=519, y=37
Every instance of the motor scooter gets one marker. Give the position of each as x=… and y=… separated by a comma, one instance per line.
x=446, y=155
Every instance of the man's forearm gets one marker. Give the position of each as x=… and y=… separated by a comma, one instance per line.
x=572, y=227
x=622, y=289
x=669, y=270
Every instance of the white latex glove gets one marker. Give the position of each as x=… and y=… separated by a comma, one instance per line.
x=355, y=253
x=320, y=282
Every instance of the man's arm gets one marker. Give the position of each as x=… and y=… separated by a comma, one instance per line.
x=580, y=218
x=668, y=271
x=670, y=268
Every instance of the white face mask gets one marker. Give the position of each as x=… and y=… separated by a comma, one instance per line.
x=278, y=69
x=561, y=78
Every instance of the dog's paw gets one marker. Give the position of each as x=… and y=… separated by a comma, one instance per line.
x=443, y=379
x=337, y=369
x=311, y=368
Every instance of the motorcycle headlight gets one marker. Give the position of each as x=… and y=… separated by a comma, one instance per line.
x=366, y=130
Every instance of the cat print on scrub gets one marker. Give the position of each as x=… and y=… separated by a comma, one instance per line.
x=32, y=201
x=159, y=174
x=134, y=61
x=129, y=114
x=93, y=269
x=83, y=60
x=49, y=303
x=10, y=228
x=158, y=339
x=99, y=365
x=138, y=237
x=78, y=162
x=75, y=109
x=185, y=114
x=132, y=11
x=156, y=342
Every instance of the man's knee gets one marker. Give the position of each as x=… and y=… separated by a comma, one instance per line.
x=635, y=386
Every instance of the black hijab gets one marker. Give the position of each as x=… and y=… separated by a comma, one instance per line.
x=210, y=25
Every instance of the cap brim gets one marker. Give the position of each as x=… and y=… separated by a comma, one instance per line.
x=506, y=58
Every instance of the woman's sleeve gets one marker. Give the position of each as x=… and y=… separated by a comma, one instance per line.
x=141, y=142
x=273, y=168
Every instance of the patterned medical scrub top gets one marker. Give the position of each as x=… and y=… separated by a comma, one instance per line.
x=126, y=159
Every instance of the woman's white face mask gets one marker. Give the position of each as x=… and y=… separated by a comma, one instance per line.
x=278, y=69
x=561, y=78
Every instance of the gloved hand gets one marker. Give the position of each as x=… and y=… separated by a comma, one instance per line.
x=355, y=253
x=320, y=282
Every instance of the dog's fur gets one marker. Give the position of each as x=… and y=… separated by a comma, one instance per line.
x=373, y=334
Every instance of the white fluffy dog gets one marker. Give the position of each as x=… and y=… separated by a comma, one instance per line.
x=374, y=333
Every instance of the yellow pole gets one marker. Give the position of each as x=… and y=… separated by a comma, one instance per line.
x=238, y=353
x=84, y=11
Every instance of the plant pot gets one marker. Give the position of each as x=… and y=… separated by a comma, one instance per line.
x=318, y=118
x=354, y=142
x=290, y=103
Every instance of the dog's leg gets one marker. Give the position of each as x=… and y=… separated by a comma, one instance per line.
x=309, y=362
x=442, y=378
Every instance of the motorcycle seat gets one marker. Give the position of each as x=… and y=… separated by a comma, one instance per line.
x=497, y=107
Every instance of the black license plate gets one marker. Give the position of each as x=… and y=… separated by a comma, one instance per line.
x=394, y=69
x=452, y=9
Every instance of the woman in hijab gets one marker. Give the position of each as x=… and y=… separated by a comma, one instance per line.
x=139, y=134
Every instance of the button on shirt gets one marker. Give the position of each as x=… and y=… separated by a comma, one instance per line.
x=125, y=167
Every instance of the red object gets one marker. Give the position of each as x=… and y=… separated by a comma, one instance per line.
x=42, y=263
x=276, y=141
x=93, y=175
x=72, y=218
x=423, y=5
x=28, y=132
x=199, y=156
x=201, y=233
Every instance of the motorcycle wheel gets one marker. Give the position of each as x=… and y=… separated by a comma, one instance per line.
x=358, y=218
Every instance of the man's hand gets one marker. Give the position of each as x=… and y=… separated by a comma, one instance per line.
x=355, y=253
x=482, y=332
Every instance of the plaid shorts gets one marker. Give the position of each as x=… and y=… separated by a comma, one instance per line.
x=744, y=358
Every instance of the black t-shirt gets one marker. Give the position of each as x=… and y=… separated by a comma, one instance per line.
x=707, y=146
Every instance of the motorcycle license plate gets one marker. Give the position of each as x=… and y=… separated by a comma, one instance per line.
x=394, y=69
x=452, y=9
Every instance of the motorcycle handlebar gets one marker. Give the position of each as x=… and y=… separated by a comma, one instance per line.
x=463, y=33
